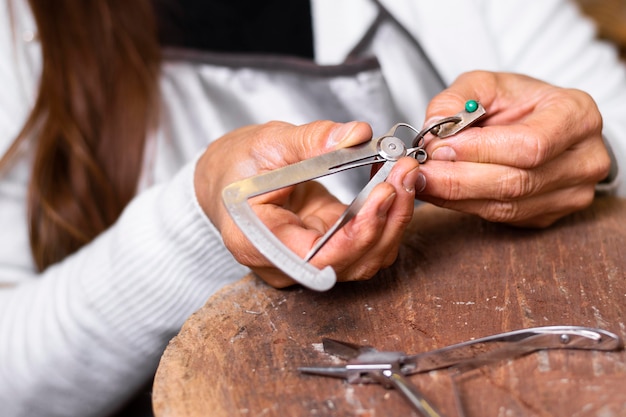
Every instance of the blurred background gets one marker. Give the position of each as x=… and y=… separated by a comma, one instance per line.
x=610, y=17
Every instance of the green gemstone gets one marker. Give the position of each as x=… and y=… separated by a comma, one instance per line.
x=471, y=106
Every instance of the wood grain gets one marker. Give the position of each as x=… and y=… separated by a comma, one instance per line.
x=457, y=278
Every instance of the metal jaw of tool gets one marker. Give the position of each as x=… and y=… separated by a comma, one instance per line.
x=402, y=140
x=390, y=369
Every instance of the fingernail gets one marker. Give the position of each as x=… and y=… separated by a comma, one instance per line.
x=340, y=133
x=410, y=179
x=420, y=184
x=445, y=153
x=386, y=205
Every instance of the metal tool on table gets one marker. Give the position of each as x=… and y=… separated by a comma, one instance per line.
x=402, y=140
x=390, y=369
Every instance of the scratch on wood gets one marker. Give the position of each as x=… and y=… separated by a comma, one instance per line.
x=543, y=361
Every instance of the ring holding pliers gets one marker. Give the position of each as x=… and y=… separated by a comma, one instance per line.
x=391, y=369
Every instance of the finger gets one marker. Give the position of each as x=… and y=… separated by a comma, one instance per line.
x=538, y=211
x=276, y=144
x=300, y=237
x=274, y=276
x=353, y=241
x=298, y=222
x=287, y=226
x=474, y=86
x=505, y=96
x=378, y=228
x=277, y=220
x=373, y=237
x=467, y=180
x=541, y=137
x=528, y=122
x=399, y=216
x=313, y=139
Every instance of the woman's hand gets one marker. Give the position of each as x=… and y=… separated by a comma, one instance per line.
x=301, y=214
x=536, y=158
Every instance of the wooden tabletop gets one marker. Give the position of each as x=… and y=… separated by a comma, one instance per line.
x=457, y=278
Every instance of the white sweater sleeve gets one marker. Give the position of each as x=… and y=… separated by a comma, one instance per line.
x=81, y=337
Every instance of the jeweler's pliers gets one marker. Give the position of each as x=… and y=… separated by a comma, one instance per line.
x=402, y=140
x=368, y=365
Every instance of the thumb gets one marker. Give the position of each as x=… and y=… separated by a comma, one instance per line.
x=481, y=86
x=316, y=138
x=344, y=135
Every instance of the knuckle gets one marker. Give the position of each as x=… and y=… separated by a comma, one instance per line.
x=600, y=166
x=582, y=100
x=400, y=221
x=241, y=248
x=274, y=278
x=449, y=187
x=364, y=271
x=390, y=258
x=480, y=77
x=534, y=148
x=582, y=197
x=538, y=147
x=515, y=185
x=366, y=233
x=500, y=211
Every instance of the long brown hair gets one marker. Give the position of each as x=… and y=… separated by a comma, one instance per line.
x=97, y=99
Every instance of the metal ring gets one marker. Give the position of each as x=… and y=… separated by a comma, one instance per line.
x=418, y=142
x=421, y=155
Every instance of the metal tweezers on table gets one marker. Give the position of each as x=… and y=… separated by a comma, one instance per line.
x=390, y=369
x=401, y=140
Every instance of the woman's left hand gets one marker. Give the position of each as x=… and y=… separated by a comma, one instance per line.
x=536, y=158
